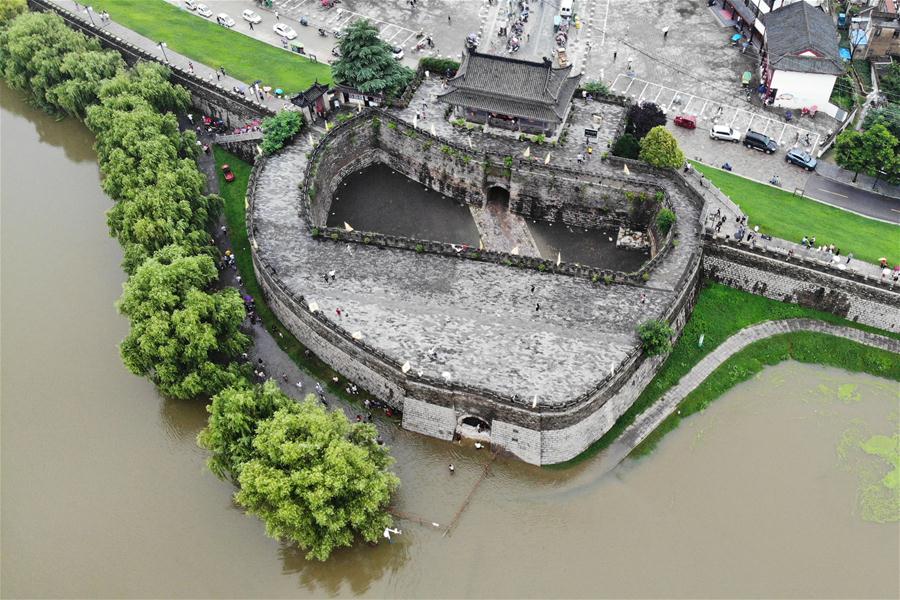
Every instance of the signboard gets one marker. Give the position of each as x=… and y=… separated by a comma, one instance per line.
x=590, y=133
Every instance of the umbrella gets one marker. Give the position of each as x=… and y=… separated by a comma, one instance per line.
x=547, y=160
x=626, y=171
x=406, y=367
x=347, y=226
x=267, y=88
x=527, y=152
x=736, y=37
x=313, y=307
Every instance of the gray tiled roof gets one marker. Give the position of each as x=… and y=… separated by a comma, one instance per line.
x=801, y=27
x=512, y=87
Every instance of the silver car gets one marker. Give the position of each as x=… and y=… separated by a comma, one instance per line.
x=724, y=132
x=204, y=11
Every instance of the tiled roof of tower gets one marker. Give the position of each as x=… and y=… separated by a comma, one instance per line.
x=797, y=28
x=513, y=87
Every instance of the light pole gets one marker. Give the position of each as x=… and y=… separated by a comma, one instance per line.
x=162, y=46
x=90, y=12
x=878, y=174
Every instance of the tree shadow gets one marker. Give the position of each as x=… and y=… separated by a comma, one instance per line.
x=183, y=419
x=357, y=567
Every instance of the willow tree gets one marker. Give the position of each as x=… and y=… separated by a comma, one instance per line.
x=367, y=63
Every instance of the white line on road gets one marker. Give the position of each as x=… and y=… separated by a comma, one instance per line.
x=830, y=192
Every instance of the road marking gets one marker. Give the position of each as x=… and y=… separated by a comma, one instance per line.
x=895, y=210
x=836, y=194
x=605, y=17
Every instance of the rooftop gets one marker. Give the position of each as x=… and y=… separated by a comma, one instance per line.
x=798, y=29
x=514, y=87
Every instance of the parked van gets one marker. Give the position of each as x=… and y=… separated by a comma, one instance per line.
x=565, y=8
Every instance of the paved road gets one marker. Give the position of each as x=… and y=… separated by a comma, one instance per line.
x=862, y=201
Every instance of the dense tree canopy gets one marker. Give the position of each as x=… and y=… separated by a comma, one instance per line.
x=279, y=129
x=234, y=415
x=888, y=115
x=872, y=152
x=10, y=9
x=178, y=329
x=626, y=146
x=150, y=82
x=656, y=337
x=367, y=64
x=84, y=72
x=33, y=48
x=660, y=149
x=317, y=480
x=641, y=118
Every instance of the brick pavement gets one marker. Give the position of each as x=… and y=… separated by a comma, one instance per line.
x=651, y=418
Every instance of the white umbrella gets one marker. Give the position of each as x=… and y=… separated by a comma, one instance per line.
x=357, y=335
x=527, y=152
x=514, y=251
x=432, y=129
x=406, y=367
x=558, y=258
x=347, y=226
x=313, y=307
x=547, y=160
x=626, y=171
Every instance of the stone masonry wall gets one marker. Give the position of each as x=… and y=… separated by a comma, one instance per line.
x=771, y=276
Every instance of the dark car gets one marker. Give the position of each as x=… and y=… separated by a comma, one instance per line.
x=760, y=142
x=801, y=158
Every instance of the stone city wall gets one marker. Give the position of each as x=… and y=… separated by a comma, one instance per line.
x=206, y=96
x=809, y=283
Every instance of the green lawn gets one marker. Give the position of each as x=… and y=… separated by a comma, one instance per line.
x=783, y=215
x=206, y=42
x=234, y=195
x=720, y=313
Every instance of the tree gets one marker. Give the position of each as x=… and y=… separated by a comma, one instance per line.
x=871, y=152
x=888, y=115
x=642, y=118
x=150, y=82
x=279, y=129
x=178, y=330
x=84, y=71
x=367, y=63
x=317, y=480
x=10, y=9
x=597, y=88
x=665, y=219
x=660, y=149
x=890, y=82
x=656, y=337
x=627, y=146
x=33, y=48
x=234, y=415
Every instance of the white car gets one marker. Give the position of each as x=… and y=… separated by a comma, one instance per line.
x=724, y=132
x=397, y=51
x=203, y=11
x=251, y=17
x=224, y=20
x=284, y=31
x=190, y=4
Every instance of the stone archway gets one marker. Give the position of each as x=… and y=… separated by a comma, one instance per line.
x=473, y=428
x=497, y=199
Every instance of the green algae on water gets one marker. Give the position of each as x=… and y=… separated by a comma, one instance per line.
x=880, y=500
x=848, y=392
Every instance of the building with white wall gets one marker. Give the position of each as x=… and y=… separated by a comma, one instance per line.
x=800, y=60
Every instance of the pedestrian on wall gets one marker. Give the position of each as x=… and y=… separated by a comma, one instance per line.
x=277, y=18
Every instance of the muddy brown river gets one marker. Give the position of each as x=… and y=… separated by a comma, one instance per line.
x=105, y=493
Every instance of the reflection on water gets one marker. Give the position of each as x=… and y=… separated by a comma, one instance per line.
x=105, y=493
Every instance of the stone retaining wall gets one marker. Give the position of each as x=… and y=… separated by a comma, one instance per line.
x=803, y=282
x=537, y=191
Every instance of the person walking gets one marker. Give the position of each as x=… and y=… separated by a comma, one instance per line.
x=250, y=23
x=849, y=257
x=277, y=18
x=449, y=20
x=452, y=469
x=665, y=32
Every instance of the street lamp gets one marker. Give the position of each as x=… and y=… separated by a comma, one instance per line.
x=90, y=12
x=878, y=174
x=162, y=46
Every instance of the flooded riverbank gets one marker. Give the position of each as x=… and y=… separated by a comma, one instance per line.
x=105, y=493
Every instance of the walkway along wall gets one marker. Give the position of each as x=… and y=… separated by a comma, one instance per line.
x=207, y=97
x=809, y=283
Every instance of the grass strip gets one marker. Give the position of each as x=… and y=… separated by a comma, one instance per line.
x=204, y=41
x=720, y=312
x=781, y=214
x=803, y=346
x=234, y=194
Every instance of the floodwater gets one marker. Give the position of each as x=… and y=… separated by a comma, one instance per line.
x=594, y=247
x=382, y=200
x=105, y=494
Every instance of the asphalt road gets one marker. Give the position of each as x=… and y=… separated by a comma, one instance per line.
x=852, y=198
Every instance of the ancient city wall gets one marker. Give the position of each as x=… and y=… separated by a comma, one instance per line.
x=206, y=96
x=810, y=283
